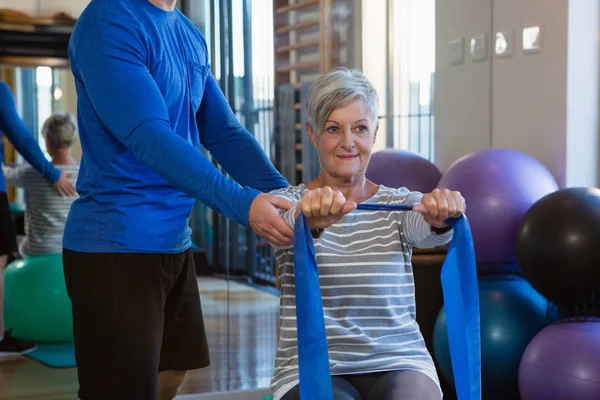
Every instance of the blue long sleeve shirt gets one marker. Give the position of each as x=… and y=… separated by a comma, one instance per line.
x=146, y=101
x=18, y=134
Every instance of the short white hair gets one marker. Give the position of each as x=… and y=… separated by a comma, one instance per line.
x=60, y=129
x=334, y=90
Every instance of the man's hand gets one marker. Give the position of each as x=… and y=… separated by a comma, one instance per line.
x=265, y=220
x=63, y=186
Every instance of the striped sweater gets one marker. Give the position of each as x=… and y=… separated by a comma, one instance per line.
x=367, y=290
x=45, y=209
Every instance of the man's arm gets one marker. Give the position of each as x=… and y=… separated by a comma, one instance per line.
x=232, y=145
x=110, y=60
x=18, y=134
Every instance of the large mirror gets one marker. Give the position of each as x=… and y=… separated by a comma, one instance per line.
x=264, y=54
x=39, y=91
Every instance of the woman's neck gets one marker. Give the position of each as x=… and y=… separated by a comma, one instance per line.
x=63, y=157
x=358, y=189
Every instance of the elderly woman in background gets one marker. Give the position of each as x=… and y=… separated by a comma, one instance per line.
x=46, y=210
x=376, y=350
x=13, y=127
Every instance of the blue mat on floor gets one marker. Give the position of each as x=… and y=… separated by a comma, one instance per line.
x=55, y=355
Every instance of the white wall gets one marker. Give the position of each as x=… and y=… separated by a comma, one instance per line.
x=71, y=7
x=27, y=6
x=543, y=104
x=462, y=92
x=529, y=91
x=46, y=7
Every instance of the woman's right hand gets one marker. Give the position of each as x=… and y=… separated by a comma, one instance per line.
x=323, y=207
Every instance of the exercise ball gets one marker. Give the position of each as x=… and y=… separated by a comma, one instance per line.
x=557, y=245
x=36, y=304
x=17, y=209
x=511, y=314
x=562, y=362
x=399, y=168
x=499, y=186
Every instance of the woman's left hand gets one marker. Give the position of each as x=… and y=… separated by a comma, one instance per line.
x=440, y=205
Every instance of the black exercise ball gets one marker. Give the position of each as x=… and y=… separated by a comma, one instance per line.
x=558, y=245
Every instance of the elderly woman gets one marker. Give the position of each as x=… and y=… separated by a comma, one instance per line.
x=376, y=350
x=46, y=210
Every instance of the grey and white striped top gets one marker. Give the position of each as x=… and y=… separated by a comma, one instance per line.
x=367, y=290
x=45, y=209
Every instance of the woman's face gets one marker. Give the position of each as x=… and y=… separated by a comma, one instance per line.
x=345, y=145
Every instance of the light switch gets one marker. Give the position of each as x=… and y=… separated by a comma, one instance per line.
x=478, y=48
x=505, y=43
x=457, y=52
x=532, y=39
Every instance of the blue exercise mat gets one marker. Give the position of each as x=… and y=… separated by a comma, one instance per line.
x=55, y=355
x=461, y=301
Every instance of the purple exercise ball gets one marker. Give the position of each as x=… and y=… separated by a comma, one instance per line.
x=562, y=362
x=399, y=168
x=499, y=186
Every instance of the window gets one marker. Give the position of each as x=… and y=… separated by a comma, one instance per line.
x=398, y=43
x=40, y=97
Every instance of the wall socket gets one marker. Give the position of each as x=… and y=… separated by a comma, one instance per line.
x=532, y=39
x=504, y=45
x=479, y=48
x=457, y=51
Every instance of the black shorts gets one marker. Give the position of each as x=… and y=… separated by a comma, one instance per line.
x=8, y=238
x=133, y=316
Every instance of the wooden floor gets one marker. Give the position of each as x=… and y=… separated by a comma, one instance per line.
x=241, y=326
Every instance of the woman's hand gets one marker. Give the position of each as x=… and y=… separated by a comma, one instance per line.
x=440, y=205
x=323, y=207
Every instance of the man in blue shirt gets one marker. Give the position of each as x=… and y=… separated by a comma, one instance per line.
x=146, y=101
x=15, y=130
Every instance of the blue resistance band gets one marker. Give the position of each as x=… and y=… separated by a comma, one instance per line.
x=461, y=302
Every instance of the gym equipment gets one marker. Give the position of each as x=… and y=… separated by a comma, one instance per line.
x=36, y=305
x=562, y=362
x=499, y=186
x=399, y=168
x=512, y=313
x=557, y=245
x=55, y=355
x=17, y=209
x=459, y=284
